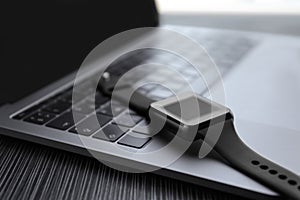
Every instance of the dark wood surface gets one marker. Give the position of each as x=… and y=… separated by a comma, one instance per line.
x=32, y=171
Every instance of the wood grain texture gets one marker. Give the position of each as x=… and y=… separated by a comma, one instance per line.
x=31, y=171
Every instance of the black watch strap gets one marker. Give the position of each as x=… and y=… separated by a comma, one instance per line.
x=244, y=159
x=232, y=149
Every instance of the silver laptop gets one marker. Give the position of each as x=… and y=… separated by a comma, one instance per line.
x=43, y=50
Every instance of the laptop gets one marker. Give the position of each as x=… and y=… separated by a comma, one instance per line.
x=44, y=44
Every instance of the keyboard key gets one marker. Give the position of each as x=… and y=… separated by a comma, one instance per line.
x=70, y=98
x=65, y=121
x=25, y=113
x=103, y=119
x=84, y=88
x=128, y=120
x=40, y=117
x=90, y=105
x=90, y=125
x=58, y=107
x=111, y=133
x=134, y=141
x=21, y=115
x=98, y=99
x=116, y=109
x=54, y=98
x=85, y=107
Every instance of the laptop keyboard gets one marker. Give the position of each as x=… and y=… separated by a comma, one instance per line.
x=55, y=112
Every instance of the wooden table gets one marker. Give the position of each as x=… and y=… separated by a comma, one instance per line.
x=32, y=171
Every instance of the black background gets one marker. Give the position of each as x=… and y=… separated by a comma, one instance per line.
x=42, y=41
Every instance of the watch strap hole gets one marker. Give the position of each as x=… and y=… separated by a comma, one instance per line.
x=255, y=162
x=273, y=172
x=264, y=167
x=292, y=182
x=282, y=177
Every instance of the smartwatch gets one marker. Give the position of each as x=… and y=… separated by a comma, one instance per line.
x=228, y=145
x=189, y=111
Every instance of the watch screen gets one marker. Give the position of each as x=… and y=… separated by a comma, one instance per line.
x=188, y=105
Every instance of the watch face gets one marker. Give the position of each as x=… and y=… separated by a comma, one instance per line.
x=189, y=109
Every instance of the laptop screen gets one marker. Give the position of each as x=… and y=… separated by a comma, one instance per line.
x=44, y=40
